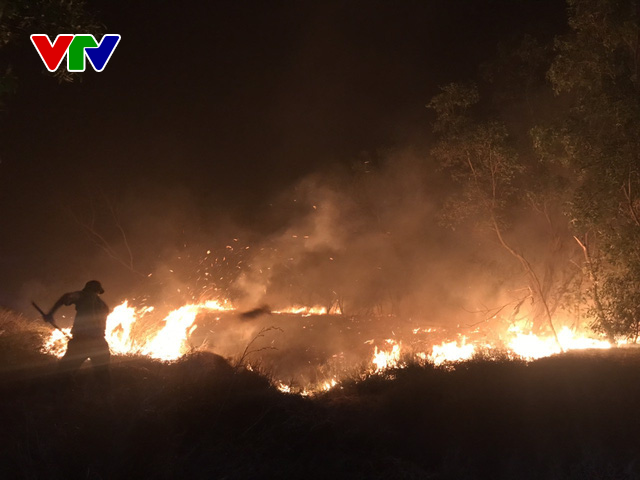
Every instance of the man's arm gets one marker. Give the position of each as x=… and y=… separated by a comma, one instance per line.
x=66, y=299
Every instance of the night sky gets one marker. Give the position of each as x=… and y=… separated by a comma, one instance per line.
x=228, y=103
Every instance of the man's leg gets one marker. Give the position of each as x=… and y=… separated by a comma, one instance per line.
x=100, y=359
x=73, y=358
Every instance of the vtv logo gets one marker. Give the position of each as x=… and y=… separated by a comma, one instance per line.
x=76, y=46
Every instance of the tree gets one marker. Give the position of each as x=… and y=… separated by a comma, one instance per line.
x=19, y=18
x=596, y=75
x=479, y=157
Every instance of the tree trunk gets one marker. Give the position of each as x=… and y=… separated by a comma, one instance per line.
x=533, y=280
x=601, y=316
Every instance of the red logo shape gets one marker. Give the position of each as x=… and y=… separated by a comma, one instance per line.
x=51, y=53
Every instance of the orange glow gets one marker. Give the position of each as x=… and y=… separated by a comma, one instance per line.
x=168, y=343
x=56, y=343
x=303, y=311
x=452, y=352
x=385, y=359
x=131, y=330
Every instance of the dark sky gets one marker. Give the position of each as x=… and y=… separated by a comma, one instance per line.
x=230, y=102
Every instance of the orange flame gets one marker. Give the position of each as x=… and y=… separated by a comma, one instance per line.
x=170, y=342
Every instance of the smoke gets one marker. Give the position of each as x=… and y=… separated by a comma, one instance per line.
x=368, y=241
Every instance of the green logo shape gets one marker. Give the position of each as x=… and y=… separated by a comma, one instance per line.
x=75, y=55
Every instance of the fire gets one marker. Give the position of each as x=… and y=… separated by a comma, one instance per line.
x=284, y=388
x=446, y=352
x=531, y=347
x=308, y=391
x=56, y=344
x=133, y=330
x=569, y=341
x=304, y=311
x=119, y=325
x=386, y=359
x=452, y=352
x=328, y=385
x=520, y=345
x=169, y=343
x=527, y=346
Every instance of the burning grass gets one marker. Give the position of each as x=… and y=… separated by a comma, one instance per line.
x=309, y=349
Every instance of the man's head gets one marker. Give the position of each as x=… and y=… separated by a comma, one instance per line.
x=93, y=286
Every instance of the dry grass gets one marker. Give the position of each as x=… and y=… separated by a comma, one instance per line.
x=21, y=340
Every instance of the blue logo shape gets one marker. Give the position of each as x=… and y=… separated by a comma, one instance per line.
x=100, y=55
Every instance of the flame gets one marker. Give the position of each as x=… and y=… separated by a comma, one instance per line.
x=170, y=342
x=386, y=359
x=119, y=325
x=308, y=391
x=328, y=385
x=452, y=352
x=569, y=341
x=527, y=346
x=126, y=333
x=56, y=344
x=532, y=347
x=446, y=352
x=284, y=388
x=305, y=311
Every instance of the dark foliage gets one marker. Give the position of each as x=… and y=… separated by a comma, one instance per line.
x=564, y=417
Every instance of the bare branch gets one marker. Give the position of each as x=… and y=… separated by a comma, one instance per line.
x=535, y=281
x=247, y=350
x=602, y=318
x=101, y=241
x=626, y=189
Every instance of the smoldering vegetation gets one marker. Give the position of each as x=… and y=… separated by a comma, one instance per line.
x=565, y=417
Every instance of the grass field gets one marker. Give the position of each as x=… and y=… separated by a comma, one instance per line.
x=573, y=416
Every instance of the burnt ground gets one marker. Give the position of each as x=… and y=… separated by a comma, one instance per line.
x=573, y=416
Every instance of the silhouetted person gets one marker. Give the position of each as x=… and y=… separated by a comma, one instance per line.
x=88, y=331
